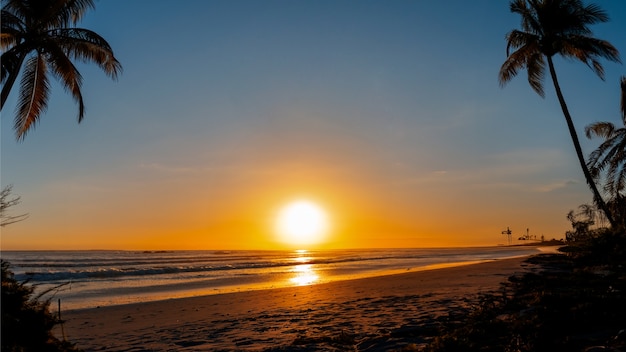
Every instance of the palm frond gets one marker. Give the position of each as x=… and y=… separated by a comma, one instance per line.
x=18, y=8
x=529, y=21
x=571, y=17
x=510, y=68
x=63, y=68
x=593, y=164
x=535, y=67
x=612, y=185
x=33, y=97
x=620, y=185
x=64, y=13
x=600, y=129
x=588, y=50
x=610, y=158
x=623, y=99
x=11, y=28
x=601, y=158
x=516, y=39
x=592, y=14
x=88, y=46
x=524, y=57
x=7, y=40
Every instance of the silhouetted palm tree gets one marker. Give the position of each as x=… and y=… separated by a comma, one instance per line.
x=557, y=27
x=611, y=156
x=37, y=35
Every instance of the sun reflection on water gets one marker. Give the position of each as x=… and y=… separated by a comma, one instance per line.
x=302, y=260
x=304, y=273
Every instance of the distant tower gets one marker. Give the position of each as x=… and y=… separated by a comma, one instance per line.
x=508, y=233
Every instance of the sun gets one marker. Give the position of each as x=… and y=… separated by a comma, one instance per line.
x=302, y=223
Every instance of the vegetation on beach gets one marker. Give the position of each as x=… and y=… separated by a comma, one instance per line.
x=27, y=322
x=576, y=300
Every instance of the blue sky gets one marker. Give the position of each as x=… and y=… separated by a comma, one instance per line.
x=388, y=113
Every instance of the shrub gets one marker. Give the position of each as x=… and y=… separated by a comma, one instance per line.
x=569, y=302
x=26, y=319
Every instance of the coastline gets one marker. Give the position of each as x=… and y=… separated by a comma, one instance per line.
x=387, y=311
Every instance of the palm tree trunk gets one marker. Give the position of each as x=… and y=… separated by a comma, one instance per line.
x=6, y=89
x=579, y=152
x=8, y=85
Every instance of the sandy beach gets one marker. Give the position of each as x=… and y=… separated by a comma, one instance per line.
x=374, y=314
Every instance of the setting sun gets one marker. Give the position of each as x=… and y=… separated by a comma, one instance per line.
x=302, y=223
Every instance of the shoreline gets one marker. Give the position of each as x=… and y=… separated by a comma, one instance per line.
x=195, y=290
x=373, y=310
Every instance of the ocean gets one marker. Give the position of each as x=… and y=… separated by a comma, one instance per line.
x=88, y=279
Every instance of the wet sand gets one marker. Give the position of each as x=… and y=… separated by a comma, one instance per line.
x=374, y=314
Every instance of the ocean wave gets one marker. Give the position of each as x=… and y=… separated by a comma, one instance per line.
x=137, y=265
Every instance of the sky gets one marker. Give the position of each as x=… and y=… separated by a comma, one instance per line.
x=386, y=114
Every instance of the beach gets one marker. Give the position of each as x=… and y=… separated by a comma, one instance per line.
x=373, y=314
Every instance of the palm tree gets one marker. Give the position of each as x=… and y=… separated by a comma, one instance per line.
x=37, y=35
x=611, y=157
x=551, y=27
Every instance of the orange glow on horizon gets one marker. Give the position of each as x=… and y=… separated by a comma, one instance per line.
x=244, y=218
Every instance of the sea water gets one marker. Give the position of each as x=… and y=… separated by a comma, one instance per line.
x=87, y=279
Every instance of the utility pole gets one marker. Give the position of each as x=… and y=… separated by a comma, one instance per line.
x=508, y=233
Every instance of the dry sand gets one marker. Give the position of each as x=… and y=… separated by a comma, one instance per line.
x=374, y=314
